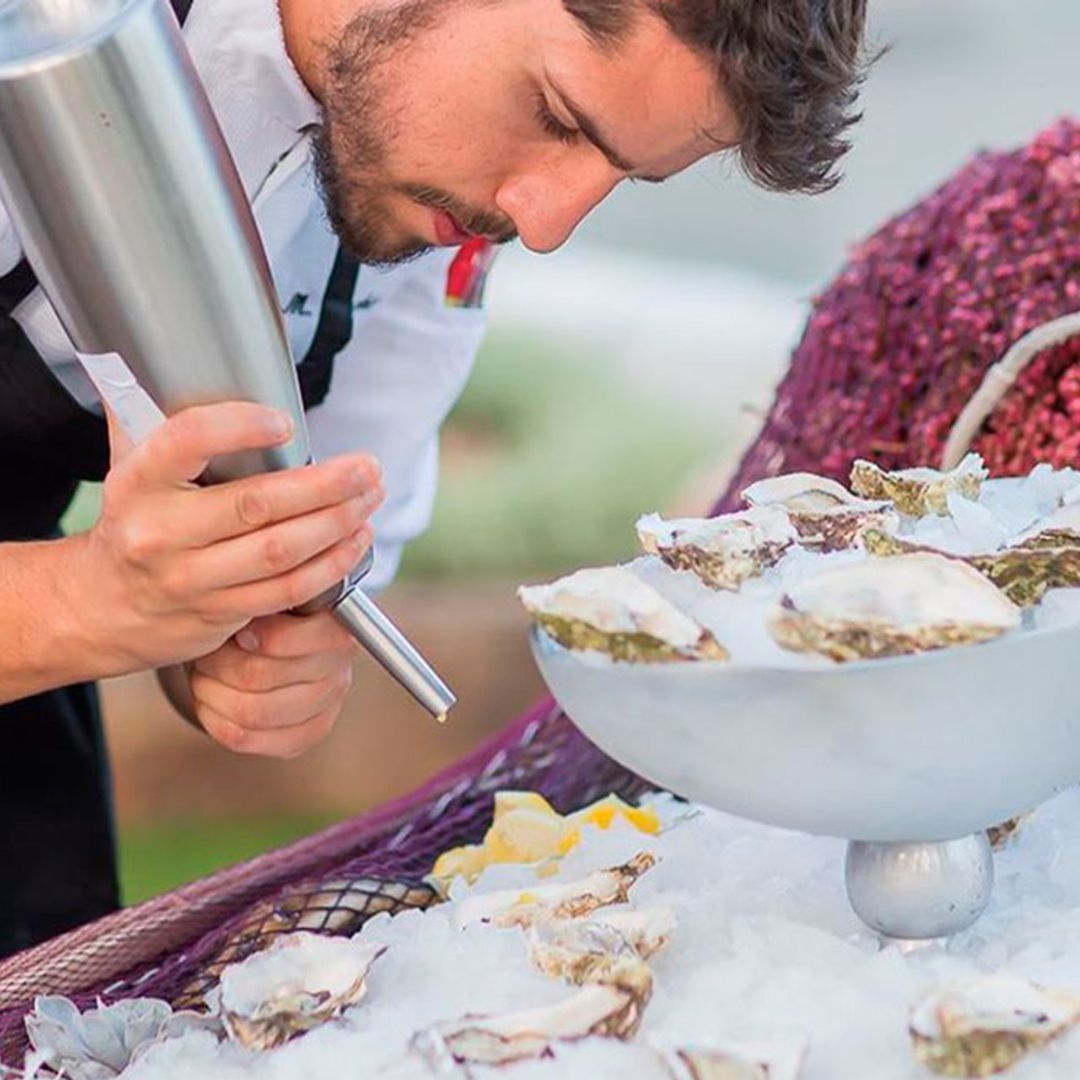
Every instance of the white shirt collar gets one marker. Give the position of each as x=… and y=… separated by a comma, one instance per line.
x=258, y=96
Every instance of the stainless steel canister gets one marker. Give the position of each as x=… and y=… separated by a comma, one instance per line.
x=134, y=219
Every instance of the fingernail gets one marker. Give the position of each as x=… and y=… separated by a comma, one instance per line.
x=280, y=424
x=248, y=640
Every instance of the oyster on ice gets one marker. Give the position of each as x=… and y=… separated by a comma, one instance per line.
x=890, y=607
x=609, y=1010
x=1022, y=573
x=921, y=491
x=599, y=948
x=299, y=982
x=1060, y=529
x=739, y=1061
x=987, y=1026
x=825, y=514
x=559, y=900
x=723, y=551
x=611, y=610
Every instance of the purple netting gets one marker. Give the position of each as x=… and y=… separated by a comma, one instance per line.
x=164, y=947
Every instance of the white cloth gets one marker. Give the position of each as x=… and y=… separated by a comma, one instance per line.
x=410, y=353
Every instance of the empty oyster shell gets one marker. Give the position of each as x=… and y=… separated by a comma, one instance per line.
x=612, y=1011
x=889, y=607
x=723, y=551
x=611, y=610
x=1023, y=574
x=825, y=514
x=918, y=492
x=1060, y=529
x=560, y=900
x=598, y=949
x=738, y=1061
x=988, y=1025
x=296, y=984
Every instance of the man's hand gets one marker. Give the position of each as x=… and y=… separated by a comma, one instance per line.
x=172, y=570
x=277, y=687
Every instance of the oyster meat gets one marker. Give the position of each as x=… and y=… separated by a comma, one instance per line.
x=301, y=981
x=825, y=514
x=611, y=610
x=987, y=1026
x=722, y=551
x=598, y=949
x=1022, y=573
x=889, y=607
x=738, y=1061
x=918, y=492
x=608, y=1010
x=559, y=900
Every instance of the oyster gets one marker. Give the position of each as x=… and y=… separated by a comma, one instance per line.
x=296, y=984
x=918, y=492
x=610, y=610
x=600, y=948
x=722, y=551
x=889, y=607
x=825, y=514
x=1023, y=574
x=609, y=1010
x=560, y=900
x=988, y=1025
x=739, y=1061
x=1060, y=529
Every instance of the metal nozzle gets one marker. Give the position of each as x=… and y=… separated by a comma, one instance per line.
x=389, y=646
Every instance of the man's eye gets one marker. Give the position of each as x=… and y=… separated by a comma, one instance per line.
x=552, y=124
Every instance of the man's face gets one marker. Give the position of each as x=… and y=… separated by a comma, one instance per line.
x=450, y=118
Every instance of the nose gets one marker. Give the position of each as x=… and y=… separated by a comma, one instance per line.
x=546, y=207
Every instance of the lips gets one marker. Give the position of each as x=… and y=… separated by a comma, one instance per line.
x=448, y=231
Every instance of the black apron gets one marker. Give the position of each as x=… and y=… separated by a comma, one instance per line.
x=57, y=841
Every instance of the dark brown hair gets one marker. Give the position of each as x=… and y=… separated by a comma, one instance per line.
x=791, y=70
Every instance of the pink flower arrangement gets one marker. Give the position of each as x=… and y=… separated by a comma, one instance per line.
x=901, y=339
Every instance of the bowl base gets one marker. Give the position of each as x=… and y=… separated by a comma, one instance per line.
x=919, y=890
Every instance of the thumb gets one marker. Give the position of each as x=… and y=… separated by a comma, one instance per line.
x=120, y=442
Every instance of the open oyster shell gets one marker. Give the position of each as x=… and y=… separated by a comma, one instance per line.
x=921, y=491
x=611, y=610
x=723, y=551
x=825, y=514
x=738, y=1061
x=987, y=1026
x=559, y=900
x=601, y=948
x=298, y=983
x=1060, y=529
x=889, y=607
x=611, y=1011
x=1023, y=574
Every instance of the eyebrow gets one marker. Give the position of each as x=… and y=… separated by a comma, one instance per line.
x=591, y=130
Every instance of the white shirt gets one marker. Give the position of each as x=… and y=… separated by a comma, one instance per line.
x=410, y=352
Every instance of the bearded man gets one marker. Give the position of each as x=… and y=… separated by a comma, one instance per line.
x=385, y=147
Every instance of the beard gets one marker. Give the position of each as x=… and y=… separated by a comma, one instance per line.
x=352, y=146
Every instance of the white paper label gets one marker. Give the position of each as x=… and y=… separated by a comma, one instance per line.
x=120, y=390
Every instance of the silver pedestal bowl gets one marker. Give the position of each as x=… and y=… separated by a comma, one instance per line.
x=909, y=759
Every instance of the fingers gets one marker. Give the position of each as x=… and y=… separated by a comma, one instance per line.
x=293, y=650
x=294, y=588
x=244, y=506
x=274, y=551
x=287, y=706
x=285, y=636
x=182, y=447
x=279, y=743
